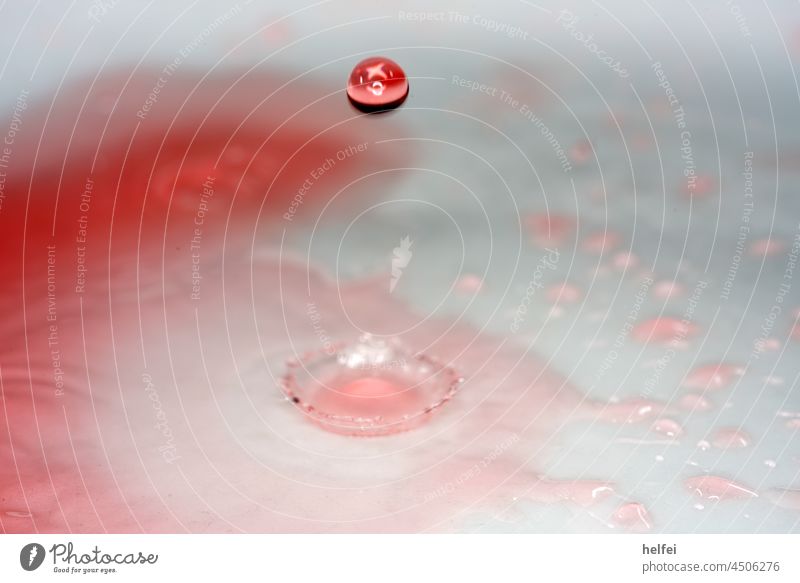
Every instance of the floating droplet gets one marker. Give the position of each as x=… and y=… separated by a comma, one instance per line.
x=373, y=387
x=717, y=488
x=377, y=84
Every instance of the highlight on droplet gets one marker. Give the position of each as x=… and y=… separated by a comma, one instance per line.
x=371, y=387
x=377, y=84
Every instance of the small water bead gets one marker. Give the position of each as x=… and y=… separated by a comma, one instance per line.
x=633, y=517
x=372, y=387
x=668, y=427
x=377, y=84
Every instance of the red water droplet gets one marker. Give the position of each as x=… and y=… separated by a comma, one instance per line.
x=730, y=438
x=601, y=242
x=703, y=185
x=469, y=284
x=664, y=330
x=581, y=151
x=712, y=376
x=667, y=289
x=717, y=488
x=377, y=84
x=625, y=260
x=549, y=228
x=563, y=293
x=633, y=516
x=668, y=427
x=693, y=402
x=766, y=247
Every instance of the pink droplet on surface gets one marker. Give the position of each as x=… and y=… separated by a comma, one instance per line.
x=713, y=376
x=377, y=84
x=730, y=438
x=765, y=344
x=469, y=284
x=664, y=330
x=564, y=293
x=601, y=242
x=632, y=516
x=702, y=185
x=766, y=247
x=793, y=424
x=667, y=289
x=625, y=260
x=549, y=228
x=718, y=488
x=668, y=427
x=580, y=152
x=694, y=402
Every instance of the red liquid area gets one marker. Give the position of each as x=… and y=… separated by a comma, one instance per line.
x=102, y=198
x=377, y=84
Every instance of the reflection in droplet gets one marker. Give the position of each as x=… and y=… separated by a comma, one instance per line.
x=377, y=84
